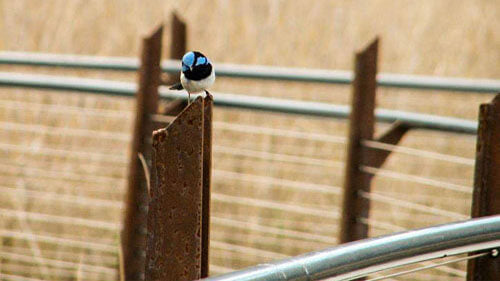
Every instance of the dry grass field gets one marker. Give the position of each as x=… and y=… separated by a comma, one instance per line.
x=64, y=155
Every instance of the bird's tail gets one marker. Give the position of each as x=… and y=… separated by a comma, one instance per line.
x=176, y=86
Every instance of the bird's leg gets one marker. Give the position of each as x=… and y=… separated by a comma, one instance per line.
x=189, y=98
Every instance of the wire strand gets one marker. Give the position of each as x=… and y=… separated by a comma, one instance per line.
x=409, y=205
x=279, y=132
x=28, y=269
x=219, y=269
x=418, y=152
x=59, y=263
x=326, y=226
x=278, y=157
x=71, y=199
x=60, y=175
x=429, y=266
x=59, y=241
x=273, y=230
x=11, y=277
x=416, y=179
x=66, y=109
x=68, y=255
x=246, y=250
x=59, y=131
x=381, y=225
x=61, y=219
x=93, y=156
x=304, y=186
x=274, y=205
x=114, y=191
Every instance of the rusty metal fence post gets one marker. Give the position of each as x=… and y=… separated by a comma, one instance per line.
x=361, y=128
x=135, y=225
x=133, y=236
x=178, y=37
x=486, y=195
x=177, y=219
x=178, y=43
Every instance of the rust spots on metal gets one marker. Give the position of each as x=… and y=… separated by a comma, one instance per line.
x=362, y=122
x=174, y=243
x=486, y=195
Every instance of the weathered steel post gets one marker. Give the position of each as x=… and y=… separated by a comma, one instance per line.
x=178, y=37
x=178, y=43
x=361, y=128
x=134, y=229
x=176, y=219
x=486, y=195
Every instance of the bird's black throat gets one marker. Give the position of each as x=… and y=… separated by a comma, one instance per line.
x=199, y=72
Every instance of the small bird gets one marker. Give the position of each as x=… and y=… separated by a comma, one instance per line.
x=197, y=73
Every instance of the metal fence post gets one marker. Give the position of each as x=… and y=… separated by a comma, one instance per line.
x=133, y=237
x=486, y=195
x=362, y=123
x=178, y=43
x=361, y=127
x=175, y=224
x=178, y=37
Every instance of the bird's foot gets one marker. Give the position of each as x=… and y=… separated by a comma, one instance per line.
x=207, y=94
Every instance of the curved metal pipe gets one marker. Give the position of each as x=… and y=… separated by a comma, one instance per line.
x=357, y=259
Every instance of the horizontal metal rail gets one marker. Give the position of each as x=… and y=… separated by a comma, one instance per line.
x=414, y=120
x=357, y=259
x=257, y=72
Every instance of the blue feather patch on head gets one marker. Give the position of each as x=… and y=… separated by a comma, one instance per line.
x=188, y=59
x=201, y=60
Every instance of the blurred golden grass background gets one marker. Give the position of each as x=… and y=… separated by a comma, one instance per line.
x=447, y=38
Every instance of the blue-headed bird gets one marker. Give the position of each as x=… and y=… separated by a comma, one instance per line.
x=197, y=73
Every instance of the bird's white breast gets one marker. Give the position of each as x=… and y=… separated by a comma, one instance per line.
x=193, y=86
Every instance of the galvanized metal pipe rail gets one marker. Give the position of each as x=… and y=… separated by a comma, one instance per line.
x=257, y=72
x=357, y=259
x=415, y=120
